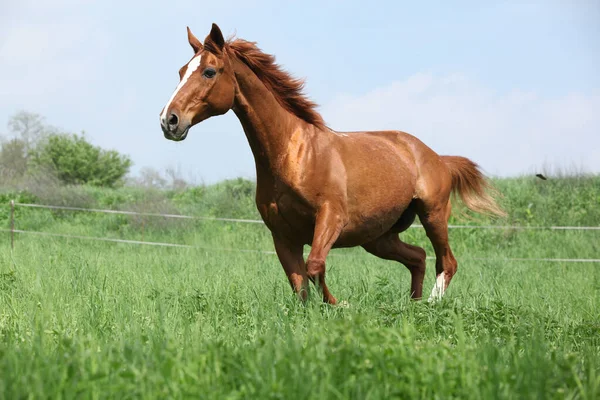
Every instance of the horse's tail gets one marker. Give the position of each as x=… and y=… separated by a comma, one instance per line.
x=472, y=187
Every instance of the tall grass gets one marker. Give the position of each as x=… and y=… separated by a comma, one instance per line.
x=95, y=320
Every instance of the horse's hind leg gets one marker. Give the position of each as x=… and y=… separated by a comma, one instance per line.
x=390, y=247
x=434, y=218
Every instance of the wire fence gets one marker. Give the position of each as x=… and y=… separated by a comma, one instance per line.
x=257, y=221
x=12, y=231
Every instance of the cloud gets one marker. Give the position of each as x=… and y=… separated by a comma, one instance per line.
x=506, y=133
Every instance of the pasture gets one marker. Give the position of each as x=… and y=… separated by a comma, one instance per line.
x=84, y=319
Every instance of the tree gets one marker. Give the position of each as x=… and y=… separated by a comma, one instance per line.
x=13, y=159
x=29, y=128
x=76, y=161
x=26, y=130
x=151, y=178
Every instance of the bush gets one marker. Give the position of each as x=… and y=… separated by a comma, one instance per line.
x=76, y=161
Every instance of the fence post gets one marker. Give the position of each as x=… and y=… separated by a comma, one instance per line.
x=12, y=224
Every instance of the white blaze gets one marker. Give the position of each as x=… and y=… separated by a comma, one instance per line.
x=191, y=67
x=439, y=288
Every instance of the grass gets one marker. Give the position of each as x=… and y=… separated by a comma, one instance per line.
x=96, y=320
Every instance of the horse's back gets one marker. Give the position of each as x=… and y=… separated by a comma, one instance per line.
x=400, y=153
x=431, y=175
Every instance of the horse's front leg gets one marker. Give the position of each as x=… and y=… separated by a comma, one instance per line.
x=328, y=226
x=291, y=258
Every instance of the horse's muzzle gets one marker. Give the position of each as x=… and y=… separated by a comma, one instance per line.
x=174, y=136
x=174, y=132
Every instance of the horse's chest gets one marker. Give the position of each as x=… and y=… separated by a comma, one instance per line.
x=286, y=215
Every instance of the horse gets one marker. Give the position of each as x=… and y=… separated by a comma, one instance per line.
x=320, y=187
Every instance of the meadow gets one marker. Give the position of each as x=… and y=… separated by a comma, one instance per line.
x=86, y=319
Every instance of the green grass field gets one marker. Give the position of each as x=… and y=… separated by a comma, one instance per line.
x=82, y=319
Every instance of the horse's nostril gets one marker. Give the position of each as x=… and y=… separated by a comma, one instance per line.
x=173, y=120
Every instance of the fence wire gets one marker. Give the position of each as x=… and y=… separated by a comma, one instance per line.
x=252, y=221
x=235, y=250
x=257, y=221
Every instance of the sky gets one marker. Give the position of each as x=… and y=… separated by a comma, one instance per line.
x=513, y=85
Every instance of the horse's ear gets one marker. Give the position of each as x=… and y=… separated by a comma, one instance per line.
x=215, y=41
x=194, y=42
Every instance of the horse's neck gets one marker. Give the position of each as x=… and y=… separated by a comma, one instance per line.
x=268, y=126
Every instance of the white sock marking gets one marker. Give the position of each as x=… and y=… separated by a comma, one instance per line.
x=439, y=288
x=343, y=304
x=191, y=67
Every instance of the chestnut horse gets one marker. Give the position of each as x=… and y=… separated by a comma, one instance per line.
x=318, y=186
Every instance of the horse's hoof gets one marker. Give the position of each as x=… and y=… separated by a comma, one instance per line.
x=343, y=304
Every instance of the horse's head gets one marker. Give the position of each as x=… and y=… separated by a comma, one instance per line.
x=206, y=87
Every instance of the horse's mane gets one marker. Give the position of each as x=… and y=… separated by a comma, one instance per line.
x=287, y=90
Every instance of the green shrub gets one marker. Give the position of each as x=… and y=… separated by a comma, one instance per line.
x=76, y=161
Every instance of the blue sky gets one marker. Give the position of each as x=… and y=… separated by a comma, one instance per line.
x=513, y=85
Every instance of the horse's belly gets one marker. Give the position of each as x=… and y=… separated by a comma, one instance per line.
x=367, y=228
x=373, y=215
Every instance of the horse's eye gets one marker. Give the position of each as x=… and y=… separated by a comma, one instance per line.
x=209, y=72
